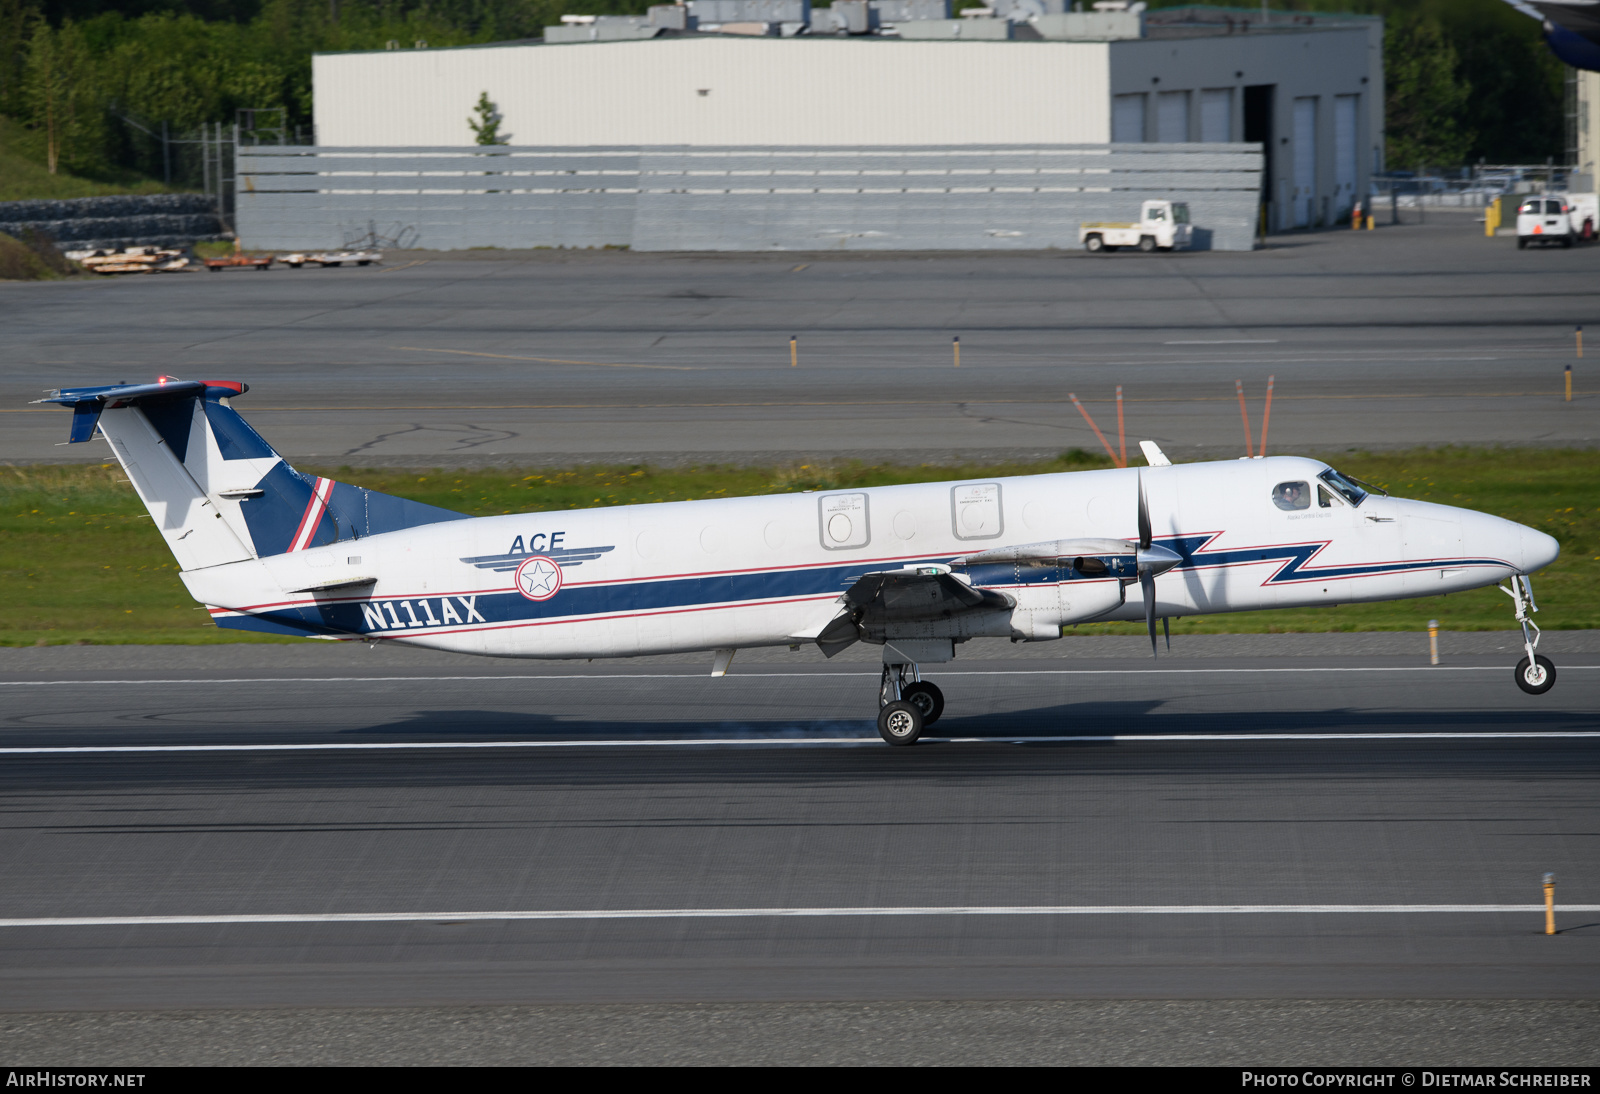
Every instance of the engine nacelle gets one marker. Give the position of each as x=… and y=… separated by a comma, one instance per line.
x=1043, y=610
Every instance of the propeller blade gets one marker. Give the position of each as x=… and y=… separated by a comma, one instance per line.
x=1147, y=582
x=1145, y=533
x=1166, y=630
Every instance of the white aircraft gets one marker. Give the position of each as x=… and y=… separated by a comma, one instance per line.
x=916, y=569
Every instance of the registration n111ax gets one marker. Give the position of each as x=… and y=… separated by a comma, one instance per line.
x=917, y=570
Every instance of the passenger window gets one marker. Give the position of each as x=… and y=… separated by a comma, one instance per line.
x=1325, y=500
x=1291, y=496
x=1552, y=208
x=1530, y=207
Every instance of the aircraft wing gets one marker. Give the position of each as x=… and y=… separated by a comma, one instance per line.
x=918, y=595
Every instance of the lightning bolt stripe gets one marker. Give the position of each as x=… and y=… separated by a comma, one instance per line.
x=1294, y=560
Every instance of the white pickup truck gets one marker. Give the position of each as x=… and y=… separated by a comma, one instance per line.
x=1162, y=225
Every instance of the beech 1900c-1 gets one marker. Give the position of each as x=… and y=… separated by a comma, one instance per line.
x=916, y=570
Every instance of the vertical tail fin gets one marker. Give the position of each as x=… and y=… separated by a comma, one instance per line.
x=216, y=490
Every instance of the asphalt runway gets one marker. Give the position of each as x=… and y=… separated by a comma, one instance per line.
x=253, y=831
x=1414, y=335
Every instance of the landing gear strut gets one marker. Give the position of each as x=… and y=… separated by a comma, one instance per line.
x=1535, y=674
x=907, y=704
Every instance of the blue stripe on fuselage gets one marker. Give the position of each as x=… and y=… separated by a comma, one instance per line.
x=578, y=602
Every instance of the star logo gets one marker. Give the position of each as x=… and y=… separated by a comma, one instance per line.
x=538, y=578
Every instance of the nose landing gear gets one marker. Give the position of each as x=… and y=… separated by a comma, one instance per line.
x=907, y=704
x=1535, y=673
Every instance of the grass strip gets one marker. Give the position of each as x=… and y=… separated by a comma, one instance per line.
x=82, y=563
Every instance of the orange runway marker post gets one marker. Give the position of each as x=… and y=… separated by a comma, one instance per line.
x=794, y=350
x=1122, y=436
x=1433, y=641
x=1096, y=429
x=955, y=344
x=1578, y=334
x=1266, y=415
x=1549, y=904
x=1244, y=416
x=1568, y=398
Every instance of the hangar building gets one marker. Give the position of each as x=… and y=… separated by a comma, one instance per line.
x=1297, y=98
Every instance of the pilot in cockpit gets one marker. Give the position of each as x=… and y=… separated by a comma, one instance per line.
x=1291, y=495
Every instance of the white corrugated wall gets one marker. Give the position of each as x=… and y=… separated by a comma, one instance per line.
x=755, y=92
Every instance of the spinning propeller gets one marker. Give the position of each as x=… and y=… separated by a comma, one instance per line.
x=1151, y=560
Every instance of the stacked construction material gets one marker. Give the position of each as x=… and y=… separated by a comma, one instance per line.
x=331, y=258
x=132, y=260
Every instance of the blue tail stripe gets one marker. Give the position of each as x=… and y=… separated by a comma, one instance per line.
x=370, y=513
x=235, y=439
x=173, y=419
x=85, y=416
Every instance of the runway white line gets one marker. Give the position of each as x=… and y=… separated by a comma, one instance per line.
x=699, y=674
x=722, y=742
x=1224, y=342
x=793, y=913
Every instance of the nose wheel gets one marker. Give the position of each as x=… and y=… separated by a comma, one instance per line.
x=1535, y=673
x=907, y=704
x=1536, y=676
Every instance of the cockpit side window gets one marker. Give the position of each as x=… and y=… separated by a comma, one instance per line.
x=1351, y=492
x=1326, y=500
x=1291, y=496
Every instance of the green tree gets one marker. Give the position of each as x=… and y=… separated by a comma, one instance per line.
x=1426, y=113
x=62, y=97
x=487, y=123
x=16, y=23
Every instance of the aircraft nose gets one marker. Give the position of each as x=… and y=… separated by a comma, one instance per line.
x=1538, y=549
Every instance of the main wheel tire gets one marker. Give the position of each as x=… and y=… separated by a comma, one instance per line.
x=1147, y=243
x=1538, y=677
x=925, y=697
x=1566, y=241
x=1522, y=243
x=1094, y=244
x=900, y=723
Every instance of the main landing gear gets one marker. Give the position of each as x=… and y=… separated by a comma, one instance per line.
x=907, y=704
x=1535, y=673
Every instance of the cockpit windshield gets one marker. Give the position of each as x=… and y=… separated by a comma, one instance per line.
x=1351, y=492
